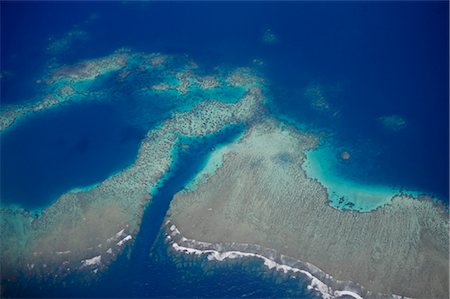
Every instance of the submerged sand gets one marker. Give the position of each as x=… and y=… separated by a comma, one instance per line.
x=261, y=195
x=258, y=195
x=86, y=229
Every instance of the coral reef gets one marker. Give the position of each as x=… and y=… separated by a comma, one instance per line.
x=255, y=192
x=261, y=195
x=393, y=122
x=65, y=42
x=269, y=37
x=84, y=230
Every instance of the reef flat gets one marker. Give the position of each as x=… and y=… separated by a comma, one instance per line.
x=261, y=195
x=85, y=230
x=143, y=74
x=62, y=86
x=254, y=198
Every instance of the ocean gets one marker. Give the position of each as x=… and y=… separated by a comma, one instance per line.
x=370, y=77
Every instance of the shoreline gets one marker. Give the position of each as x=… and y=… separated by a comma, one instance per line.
x=74, y=233
x=319, y=281
x=262, y=195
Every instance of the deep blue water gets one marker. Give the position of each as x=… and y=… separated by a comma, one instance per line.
x=148, y=270
x=46, y=155
x=375, y=59
x=73, y=146
x=372, y=58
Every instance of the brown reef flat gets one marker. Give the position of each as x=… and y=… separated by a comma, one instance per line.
x=261, y=195
x=85, y=230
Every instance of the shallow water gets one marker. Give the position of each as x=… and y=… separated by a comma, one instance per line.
x=370, y=60
x=369, y=64
x=149, y=270
x=366, y=68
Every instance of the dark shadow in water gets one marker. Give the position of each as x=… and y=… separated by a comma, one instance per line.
x=190, y=157
x=150, y=272
x=147, y=270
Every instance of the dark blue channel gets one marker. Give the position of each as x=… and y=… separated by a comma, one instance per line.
x=147, y=270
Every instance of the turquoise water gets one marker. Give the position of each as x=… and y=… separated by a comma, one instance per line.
x=187, y=163
x=325, y=164
x=151, y=271
x=366, y=68
x=370, y=59
x=82, y=143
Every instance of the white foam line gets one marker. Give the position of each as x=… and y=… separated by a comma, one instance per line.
x=315, y=284
x=127, y=238
x=116, y=236
x=347, y=293
x=92, y=261
x=119, y=234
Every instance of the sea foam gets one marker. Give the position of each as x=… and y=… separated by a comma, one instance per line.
x=315, y=284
